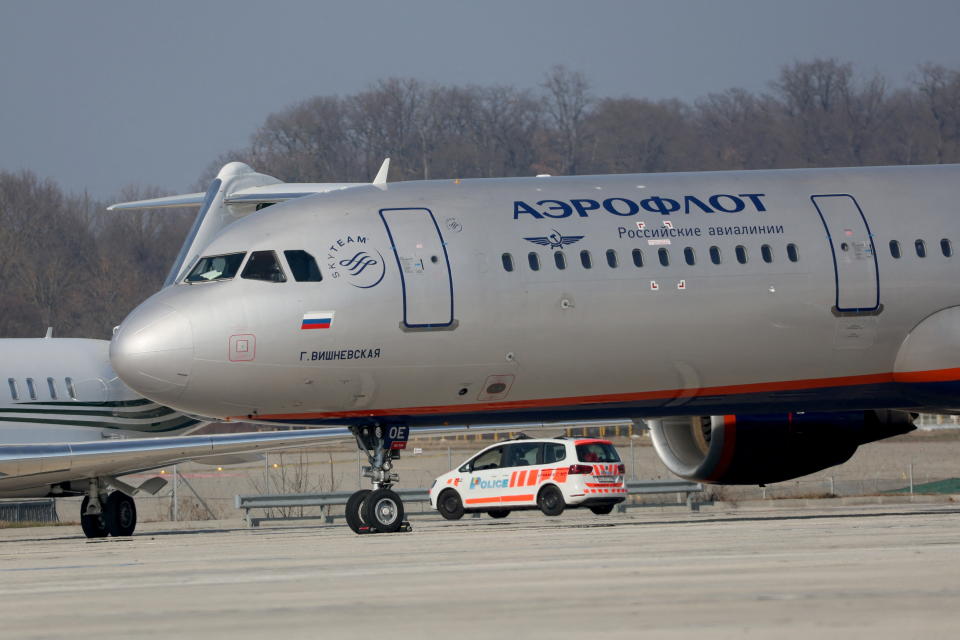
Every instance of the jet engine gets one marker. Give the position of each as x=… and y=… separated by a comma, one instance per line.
x=760, y=449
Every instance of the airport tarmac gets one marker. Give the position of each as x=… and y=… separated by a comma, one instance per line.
x=878, y=571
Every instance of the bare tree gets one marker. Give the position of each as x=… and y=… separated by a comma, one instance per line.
x=567, y=104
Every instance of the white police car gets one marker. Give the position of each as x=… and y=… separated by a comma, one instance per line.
x=530, y=473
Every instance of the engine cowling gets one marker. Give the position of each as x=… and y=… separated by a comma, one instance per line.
x=760, y=449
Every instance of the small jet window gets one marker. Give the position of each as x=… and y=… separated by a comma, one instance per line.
x=13, y=389
x=303, y=266
x=741, y=253
x=792, y=253
x=715, y=255
x=212, y=268
x=507, y=260
x=946, y=248
x=637, y=258
x=71, y=391
x=560, y=260
x=664, y=256
x=921, y=248
x=612, y=258
x=53, y=389
x=766, y=253
x=689, y=256
x=895, y=249
x=32, y=390
x=534, y=261
x=585, y=259
x=263, y=265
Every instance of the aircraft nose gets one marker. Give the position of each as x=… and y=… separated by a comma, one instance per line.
x=152, y=352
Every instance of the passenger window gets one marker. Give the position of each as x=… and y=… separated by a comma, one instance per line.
x=664, y=257
x=612, y=258
x=52, y=388
x=303, y=266
x=507, y=260
x=895, y=249
x=637, y=258
x=32, y=390
x=689, y=256
x=792, y=253
x=766, y=253
x=585, y=259
x=534, y=260
x=71, y=391
x=488, y=460
x=213, y=268
x=560, y=260
x=522, y=454
x=946, y=248
x=13, y=389
x=741, y=253
x=263, y=265
x=921, y=248
x=554, y=452
x=715, y=255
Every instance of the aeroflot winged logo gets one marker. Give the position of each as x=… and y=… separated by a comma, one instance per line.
x=349, y=257
x=623, y=207
x=555, y=240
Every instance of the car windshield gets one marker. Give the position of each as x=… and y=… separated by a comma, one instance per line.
x=597, y=452
x=210, y=268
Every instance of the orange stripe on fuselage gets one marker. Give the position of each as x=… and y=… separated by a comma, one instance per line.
x=939, y=375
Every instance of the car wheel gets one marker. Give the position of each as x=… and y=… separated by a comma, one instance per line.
x=602, y=509
x=499, y=513
x=450, y=505
x=550, y=501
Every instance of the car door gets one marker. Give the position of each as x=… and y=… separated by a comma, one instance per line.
x=524, y=460
x=487, y=479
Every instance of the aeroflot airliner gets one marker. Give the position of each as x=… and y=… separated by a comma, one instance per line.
x=763, y=323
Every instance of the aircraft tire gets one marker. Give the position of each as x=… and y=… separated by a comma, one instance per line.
x=602, y=509
x=92, y=525
x=498, y=513
x=353, y=511
x=383, y=511
x=120, y=514
x=550, y=501
x=450, y=505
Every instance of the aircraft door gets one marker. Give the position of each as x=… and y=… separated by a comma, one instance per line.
x=421, y=255
x=856, y=273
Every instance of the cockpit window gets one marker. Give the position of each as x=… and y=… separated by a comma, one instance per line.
x=263, y=265
x=302, y=265
x=212, y=268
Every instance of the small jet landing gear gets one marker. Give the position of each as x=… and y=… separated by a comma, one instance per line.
x=105, y=514
x=379, y=510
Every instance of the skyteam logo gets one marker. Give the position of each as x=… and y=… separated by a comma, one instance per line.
x=350, y=258
x=555, y=240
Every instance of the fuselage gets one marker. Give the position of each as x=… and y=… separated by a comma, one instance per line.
x=577, y=297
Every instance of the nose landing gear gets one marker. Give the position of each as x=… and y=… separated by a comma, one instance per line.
x=379, y=510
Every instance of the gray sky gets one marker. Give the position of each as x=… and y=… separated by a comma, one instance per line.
x=101, y=94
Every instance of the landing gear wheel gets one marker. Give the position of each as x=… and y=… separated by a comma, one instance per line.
x=92, y=525
x=450, y=505
x=354, y=512
x=120, y=514
x=601, y=509
x=498, y=513
x=550, y=501
x=383, y=510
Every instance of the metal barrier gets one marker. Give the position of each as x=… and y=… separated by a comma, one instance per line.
x=410, y=496
x=43, y=510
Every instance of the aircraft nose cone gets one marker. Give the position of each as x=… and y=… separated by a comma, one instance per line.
x=152, y=352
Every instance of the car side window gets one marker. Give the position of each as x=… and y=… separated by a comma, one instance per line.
x=489, y=459
x=521, y=454
x=554, y=452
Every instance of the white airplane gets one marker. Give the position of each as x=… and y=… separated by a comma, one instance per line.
x=69, y=426
x=764, y=323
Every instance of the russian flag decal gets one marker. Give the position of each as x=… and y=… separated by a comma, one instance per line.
x=317, y=320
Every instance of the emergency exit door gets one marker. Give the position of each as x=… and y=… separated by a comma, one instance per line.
x=421, y=256
x=856, y=273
